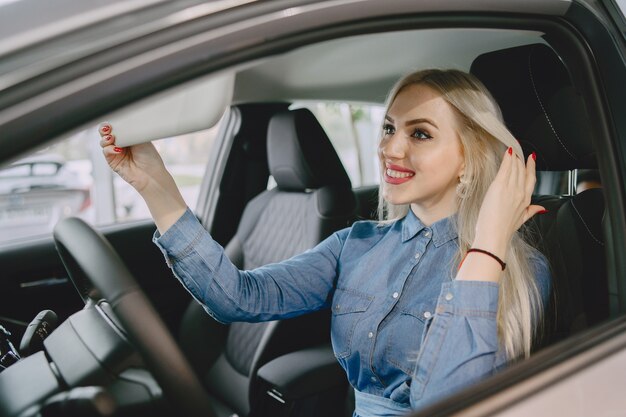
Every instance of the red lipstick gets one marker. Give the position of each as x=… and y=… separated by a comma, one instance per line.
x=395, y=181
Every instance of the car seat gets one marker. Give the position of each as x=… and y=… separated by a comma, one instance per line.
x=312, y=199
x=547, y=115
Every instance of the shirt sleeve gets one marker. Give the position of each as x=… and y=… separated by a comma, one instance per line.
x=287, y=289
x=461, y=345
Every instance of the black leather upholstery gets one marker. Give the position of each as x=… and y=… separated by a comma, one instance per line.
x=546, y=113
x=300, y=154
x=540, y=105
x=573, y=241
x=313, y=198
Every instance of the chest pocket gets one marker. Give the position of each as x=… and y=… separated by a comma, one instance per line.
x=406, y=334
x=347, y=309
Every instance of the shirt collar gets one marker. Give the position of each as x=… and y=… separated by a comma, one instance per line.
x=442, y=230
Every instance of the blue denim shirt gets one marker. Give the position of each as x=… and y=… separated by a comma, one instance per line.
x=404, y=330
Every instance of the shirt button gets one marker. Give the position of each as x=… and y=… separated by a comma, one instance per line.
x=427, y=314
x=373, y=379
x=337, y=307
x=427, y=233
x=395, y=295
x=417, y=255
x=370, y=335
x=449, y=296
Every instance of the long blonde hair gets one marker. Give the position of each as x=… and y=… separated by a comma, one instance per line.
x=484, y=139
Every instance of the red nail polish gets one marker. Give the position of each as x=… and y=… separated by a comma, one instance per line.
x=106, y=137
x=118, y=150
x=105, y=129
x=534, y=155
x=543, y=211
x=510, y=151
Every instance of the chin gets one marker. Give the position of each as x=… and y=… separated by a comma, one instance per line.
x=394, y=198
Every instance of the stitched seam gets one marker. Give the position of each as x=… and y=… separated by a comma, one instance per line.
x=188, y=250
x=466, y=312
x=532, y=80
x=585, y=224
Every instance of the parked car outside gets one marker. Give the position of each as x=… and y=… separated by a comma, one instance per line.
x=36, y=192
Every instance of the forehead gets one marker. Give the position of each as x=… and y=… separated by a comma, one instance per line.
x=418, y=101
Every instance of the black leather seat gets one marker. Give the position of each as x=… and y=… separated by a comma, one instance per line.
x=548, y=116
x=312, y=199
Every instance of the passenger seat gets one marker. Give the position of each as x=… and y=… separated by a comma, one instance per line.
x=548, y=116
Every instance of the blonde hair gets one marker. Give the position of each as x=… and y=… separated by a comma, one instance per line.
x=484, y=139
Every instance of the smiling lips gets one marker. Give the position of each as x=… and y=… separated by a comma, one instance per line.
x=395, y=174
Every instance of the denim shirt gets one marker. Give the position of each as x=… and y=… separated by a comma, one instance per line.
x=403, y=329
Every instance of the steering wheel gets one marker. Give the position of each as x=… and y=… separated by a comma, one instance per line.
x=87, y=255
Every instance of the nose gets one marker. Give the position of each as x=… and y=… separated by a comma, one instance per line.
x=393, y=147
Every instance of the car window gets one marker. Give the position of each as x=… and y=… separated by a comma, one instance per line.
x=353, y=129
x=70, y=178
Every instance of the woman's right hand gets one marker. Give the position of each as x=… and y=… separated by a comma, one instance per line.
x=137, y=164
x=142, y=167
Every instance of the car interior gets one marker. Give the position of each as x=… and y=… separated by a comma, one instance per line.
x=287, y=368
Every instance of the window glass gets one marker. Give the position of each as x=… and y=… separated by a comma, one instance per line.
x=71, y=178
x=354, y=131
x=552, y=183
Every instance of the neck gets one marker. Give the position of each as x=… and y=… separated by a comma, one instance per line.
x=430, y=215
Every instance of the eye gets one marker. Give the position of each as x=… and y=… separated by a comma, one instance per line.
x=388, y=129
x=421, y=134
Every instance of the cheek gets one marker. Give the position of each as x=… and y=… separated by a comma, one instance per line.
x=440, y=166
x=379, y=150
x=381, y=159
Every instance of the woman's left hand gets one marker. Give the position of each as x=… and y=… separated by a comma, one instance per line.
x=506, y=205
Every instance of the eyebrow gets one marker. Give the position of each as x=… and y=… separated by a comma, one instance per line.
x=414, y=121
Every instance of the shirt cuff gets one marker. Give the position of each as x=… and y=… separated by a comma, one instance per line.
x=178, y=241
x=469, y=298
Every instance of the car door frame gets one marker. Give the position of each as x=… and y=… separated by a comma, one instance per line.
x=579, y=32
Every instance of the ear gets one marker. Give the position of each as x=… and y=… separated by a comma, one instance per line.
x=462, y=169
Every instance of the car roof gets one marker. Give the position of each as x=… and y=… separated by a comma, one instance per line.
x=66, y=30
x=158, y=44
x=363, y=68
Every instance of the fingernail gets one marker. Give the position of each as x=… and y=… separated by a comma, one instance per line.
x=118, y=150
x=543, y=211
x=105, y=129
x=107, y=137
x=510, y=151
x=534, y=155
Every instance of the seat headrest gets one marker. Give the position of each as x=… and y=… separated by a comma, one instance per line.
x=539, y=104
x=300, y=155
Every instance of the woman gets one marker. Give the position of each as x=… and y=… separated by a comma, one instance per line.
x=438, y=294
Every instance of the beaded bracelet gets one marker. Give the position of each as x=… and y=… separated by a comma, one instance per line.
x=502, y=264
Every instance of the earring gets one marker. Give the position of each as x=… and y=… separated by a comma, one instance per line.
x=462, y=187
